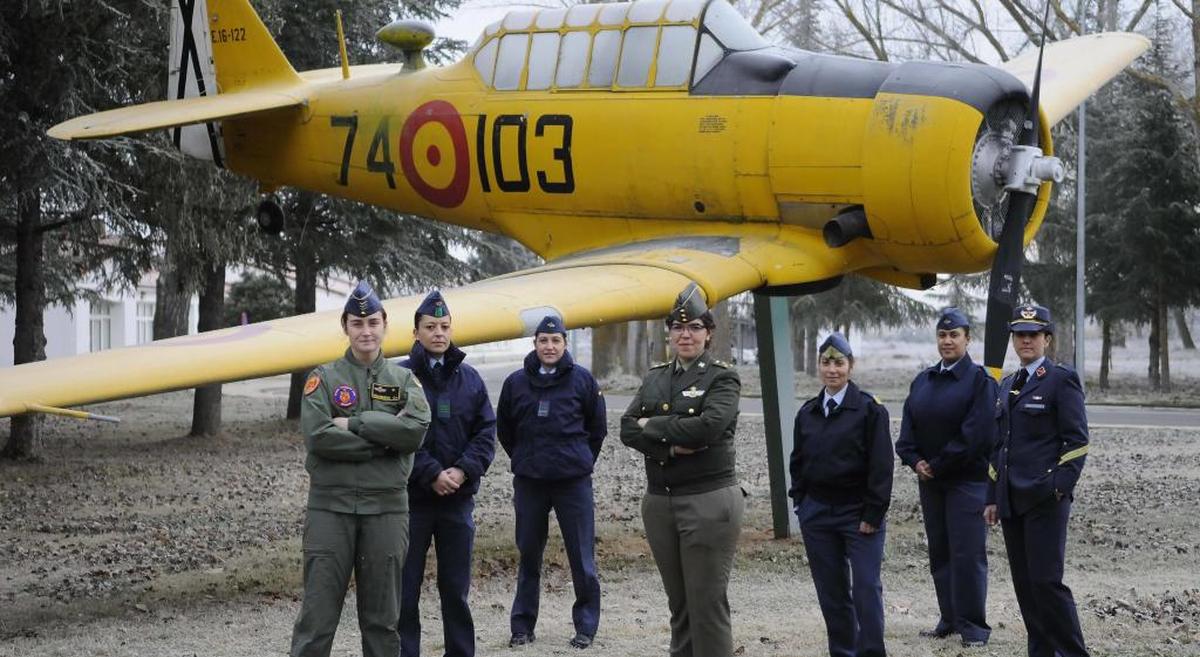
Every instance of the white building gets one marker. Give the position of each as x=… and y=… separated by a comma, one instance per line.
x=123, y=318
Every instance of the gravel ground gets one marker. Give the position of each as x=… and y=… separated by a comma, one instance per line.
x=135, y=540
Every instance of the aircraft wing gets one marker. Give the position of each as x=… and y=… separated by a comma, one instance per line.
x=637, y=281
x=171, y=113
x=1076, y=68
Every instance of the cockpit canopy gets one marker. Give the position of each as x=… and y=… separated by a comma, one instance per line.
x=647, y=44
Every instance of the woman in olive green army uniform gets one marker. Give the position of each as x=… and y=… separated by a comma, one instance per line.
x=362, y=418
x=683, y=420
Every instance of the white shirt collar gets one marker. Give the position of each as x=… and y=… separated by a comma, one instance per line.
x=841, y=394
x=547, y=370
x=440, y=360
x=946, y=368
x=1032, y=367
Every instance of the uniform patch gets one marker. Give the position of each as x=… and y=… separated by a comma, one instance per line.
x=345, y=396
x=381, y=392
x=443, y=408
x=543, y=409
x=1040, y=372
x=693, y=393
x=311, y=384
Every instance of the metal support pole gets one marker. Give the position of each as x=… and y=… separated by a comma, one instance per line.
x=1080, y=221
x=779, y=402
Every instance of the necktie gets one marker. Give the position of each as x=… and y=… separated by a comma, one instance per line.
x=1022, y=377
x=830, y=404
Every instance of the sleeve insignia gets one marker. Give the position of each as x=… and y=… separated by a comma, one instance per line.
x=310, y=386
x=345, y=396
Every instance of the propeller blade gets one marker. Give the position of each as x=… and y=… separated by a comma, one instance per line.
x=1005, y=281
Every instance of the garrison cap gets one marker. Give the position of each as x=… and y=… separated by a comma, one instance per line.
x=433, y=305
x=551, y=324
x=1031, y=318
x=835, y=345
x=952, y=318
x=363, y=301
x=689, y=305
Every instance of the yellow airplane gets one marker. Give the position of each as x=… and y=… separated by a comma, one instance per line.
x=637, y=147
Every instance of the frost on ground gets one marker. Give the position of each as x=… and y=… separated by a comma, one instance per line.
x=134, y=540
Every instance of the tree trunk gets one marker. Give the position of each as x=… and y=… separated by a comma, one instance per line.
x=306, y=302
x=1164, y=346
x=722, y=340
x=810, y=347
x=206, y=404
x=799, y=353
x=1118, y=334
x=1152, y=369
x=1185, y=332
x=656, y=340
x=609, y=346
x=173, y=298
x=1105, y=352
x=29, y=340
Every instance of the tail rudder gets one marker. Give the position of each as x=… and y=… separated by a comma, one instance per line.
x=244, y=52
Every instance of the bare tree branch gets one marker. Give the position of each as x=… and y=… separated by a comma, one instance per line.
x=922, y=20
x=1019, y=14
x=1066, y=20
x=1137, y=16
x=852, y=16
x=1186, y=12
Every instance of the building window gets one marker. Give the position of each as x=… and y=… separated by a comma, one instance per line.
x=101, y=325
x=145, y=321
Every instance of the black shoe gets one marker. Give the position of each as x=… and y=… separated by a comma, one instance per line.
x=973, y=643
x=580, y=641
x=520, y=640
x=938, y=632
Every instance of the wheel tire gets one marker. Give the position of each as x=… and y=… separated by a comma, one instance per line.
x=269, y=217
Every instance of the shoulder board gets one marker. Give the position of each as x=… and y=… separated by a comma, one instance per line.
x=874, y=398
x=1064, y=366
x=657, y=366
x=721, y=363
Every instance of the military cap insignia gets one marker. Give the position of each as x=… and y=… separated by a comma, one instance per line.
x=1028, y=313
x=439, y=309
x=345, y=396
x=311, y=384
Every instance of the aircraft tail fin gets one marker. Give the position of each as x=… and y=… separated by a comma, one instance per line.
x=219, y=47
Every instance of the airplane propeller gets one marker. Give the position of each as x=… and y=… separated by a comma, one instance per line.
x=1020, y=170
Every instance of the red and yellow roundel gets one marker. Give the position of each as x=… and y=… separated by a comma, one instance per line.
x=434, y=155
x=311, y=384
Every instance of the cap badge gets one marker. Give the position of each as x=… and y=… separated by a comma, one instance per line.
x=1028, y=313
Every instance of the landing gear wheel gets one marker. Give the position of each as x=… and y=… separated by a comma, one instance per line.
x=269, y=217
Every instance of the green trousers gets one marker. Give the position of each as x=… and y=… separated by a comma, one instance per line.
x=373, y=547
x=693, y=539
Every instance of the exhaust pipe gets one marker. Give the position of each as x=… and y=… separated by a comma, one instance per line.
x=846, y=227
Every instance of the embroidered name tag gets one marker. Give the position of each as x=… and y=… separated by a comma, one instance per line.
x=381, y=392
x=1036, y=407
x=543, y=408
x=443, y=408
x=693, y=393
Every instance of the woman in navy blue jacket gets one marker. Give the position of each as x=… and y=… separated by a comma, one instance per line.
x=551, y=422
x=841, y=469
x=946, y=437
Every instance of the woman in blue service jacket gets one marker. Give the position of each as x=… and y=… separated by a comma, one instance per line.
x=946, y=437
x=841, y=469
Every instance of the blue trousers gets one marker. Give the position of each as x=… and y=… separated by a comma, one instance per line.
x=845, y=567
x=1037, y=549
x=450, y=526
x=953, y=513
x=573, y=506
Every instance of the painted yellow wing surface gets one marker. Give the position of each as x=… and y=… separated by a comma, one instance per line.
x=639, y=281
x=171, y=113
x=1076, y=68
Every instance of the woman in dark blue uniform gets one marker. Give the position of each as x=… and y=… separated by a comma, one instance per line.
x=946, y=437
x=841, y=469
